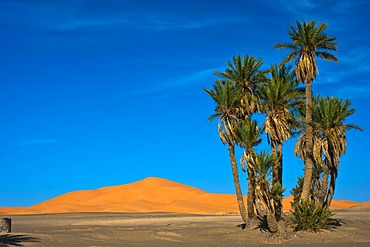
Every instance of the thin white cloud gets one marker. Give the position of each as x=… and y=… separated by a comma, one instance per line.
x=343, y=7
x=198, y=79
x=193, y=79
x=39, y=141
x=352, y=63
x=353, y=92
x=84, y=23
x=154, y=22
x=300, y=5
x=62, y=17
x=339, y=6
x=171, y=24
x=359, y=57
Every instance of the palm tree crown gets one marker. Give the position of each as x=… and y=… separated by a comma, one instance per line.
x=245, y=73
x=280, y=97
x=227, y=100
x=308, y=42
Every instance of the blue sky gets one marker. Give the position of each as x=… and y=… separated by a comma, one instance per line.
x=99, y=93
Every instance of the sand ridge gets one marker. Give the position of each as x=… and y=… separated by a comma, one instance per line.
x=148, y=195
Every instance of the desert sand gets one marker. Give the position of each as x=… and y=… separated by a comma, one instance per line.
x=147, y=195
x=159, y=212
x=172, y=229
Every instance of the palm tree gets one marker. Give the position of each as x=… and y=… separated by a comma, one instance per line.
x=227, y=98
x=308, y=42
x=262, y=165
x=280, y=97
x=248, y=136
x=329, y=115
x=245, y=73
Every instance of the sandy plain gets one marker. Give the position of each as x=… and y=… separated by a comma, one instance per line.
x=172, y=229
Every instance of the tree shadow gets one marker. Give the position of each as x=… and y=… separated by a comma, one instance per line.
x=260, y=222
x=255, y=223
x=333, y=224
x=16, y=239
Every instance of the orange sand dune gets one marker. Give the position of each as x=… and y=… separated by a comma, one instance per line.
x=147, y=195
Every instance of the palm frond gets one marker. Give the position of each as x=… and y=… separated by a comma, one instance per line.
x=308, y=41
x=227, y=100
x=329, y=115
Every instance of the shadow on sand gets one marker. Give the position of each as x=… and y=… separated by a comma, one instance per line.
x=16, y=239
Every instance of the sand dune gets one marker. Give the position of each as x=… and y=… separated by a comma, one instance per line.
x=147, y=195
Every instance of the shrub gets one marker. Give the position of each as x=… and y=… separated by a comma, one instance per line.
x=309, y=217
x=297, y=191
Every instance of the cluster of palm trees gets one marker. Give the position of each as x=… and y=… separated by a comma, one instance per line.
x=244, y=91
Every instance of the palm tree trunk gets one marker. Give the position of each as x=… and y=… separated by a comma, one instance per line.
x=324, y=184
x=308, y=159
x=251, y=193
x=279, y=170
x=239, y=194
x=333, y=178
x=275, y=166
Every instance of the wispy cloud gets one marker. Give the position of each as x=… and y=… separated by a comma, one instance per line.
x=38, y=141
x=344, y=6
x=358, y=57
x=353, y=92
x=353, y=63
x=300, y=5
x=198, y=79
x=54, y=16
x=339, y=6
x=157, y=22
x=79, y=23
x=169, y=23
x=195, y=78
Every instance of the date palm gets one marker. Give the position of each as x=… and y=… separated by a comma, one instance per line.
x=262, y=164
x=248, y=136
x=244, y=72
x=308, y=42
x=227, y=99
x=329, y=115
x=280, y=97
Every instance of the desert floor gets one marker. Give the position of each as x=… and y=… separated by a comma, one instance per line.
x=170, y=229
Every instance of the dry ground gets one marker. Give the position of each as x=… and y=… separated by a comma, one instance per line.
x=170, y=229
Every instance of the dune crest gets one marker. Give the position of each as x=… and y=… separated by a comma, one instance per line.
x=148, y=195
